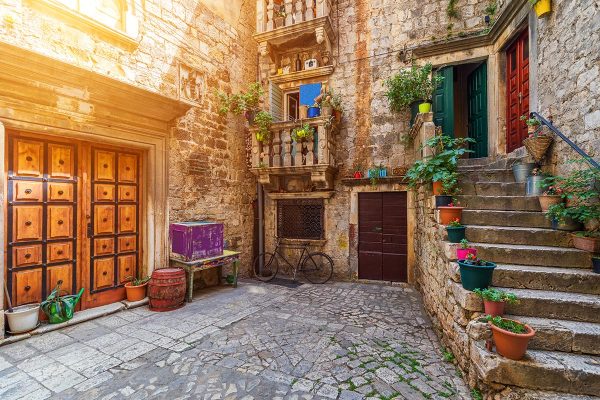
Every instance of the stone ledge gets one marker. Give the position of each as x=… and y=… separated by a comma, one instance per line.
x=465, y=298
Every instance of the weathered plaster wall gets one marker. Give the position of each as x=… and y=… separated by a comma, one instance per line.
x=568, y=67
x=208, y=176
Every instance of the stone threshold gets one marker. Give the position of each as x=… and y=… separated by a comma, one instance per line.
x=78, y=317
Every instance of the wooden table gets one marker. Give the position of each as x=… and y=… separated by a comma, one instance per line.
x=228, y=257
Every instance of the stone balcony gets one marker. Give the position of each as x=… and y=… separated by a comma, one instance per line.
x=283, y=165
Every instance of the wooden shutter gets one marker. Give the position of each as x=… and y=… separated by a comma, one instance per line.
x=276, y=101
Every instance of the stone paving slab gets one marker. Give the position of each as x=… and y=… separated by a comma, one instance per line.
x=334, y=341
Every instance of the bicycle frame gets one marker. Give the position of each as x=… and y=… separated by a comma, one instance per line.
x=305, y=253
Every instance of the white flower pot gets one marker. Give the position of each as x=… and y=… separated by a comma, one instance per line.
x=23, y=318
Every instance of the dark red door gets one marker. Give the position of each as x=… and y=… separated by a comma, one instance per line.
x=517, y=78
x=382, y=236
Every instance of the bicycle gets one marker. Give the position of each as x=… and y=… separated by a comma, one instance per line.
x=317, y=267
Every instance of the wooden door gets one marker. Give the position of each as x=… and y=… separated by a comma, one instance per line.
x=113, y=226
x=517, y=92
x=478, y=111
x=382, y=242
x=443, y=102
x=41, y=213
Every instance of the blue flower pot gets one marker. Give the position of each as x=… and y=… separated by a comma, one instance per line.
x=313, y=112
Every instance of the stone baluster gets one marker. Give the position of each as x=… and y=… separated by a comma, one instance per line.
x=309, y=10
x=323, y=7
x=276, y=148
x=261, y=16
x=299, y=14
x=310, y=154
x=289, y=15
x=323, y=152
x=298, y=156
x=255, y=151
x=287, y=148
x=270, y=15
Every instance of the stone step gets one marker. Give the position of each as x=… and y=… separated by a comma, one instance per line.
x=504, y=203
x=478, y=174
x=572, y=280
x=518, y=235
x=540, y=369
x=469, y=163
x=506, y=218
x=561, y=335
x=515, y=393
x=545, y=256
x=492, y=188
x=559, y=305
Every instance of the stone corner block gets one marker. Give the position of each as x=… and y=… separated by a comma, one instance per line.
x=465, y=298
x=450, y=250
x=453, y=271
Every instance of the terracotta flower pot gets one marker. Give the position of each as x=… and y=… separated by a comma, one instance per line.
x=449, y=214
x=461, y=254
x=511, y=345
x=549, y=200
x=494, y=308
x=136, y=293
x=437, y=188
x=586, y=243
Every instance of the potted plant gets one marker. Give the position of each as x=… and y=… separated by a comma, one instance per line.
x=511, y=337
x=279, y=17
x=596, y=264
x=494, y=300
x=336, y=103
x=301, y=133
x=444, y=195
x=382, y=171
x=22, y=318
x=358, y=172
x=521, y=171
x=475, y=273
x=541, y=7
x=538, y=141
x=465, y=249
x=450, y=213
x=536, y=183
x=263, y=121
x=411, y=85
x=136, y=288
x=587, y=241
x=552, y=195
x=456, y=231
x=314, y=111
x=247, y=103
x=326, y=102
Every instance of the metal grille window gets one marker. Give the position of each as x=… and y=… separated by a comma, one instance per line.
x=300, y=219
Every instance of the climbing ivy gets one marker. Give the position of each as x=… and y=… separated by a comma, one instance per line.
x=451, y=9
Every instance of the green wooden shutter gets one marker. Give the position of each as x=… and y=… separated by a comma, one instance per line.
x=443, y=102
x=276, y=101
x=478, y=110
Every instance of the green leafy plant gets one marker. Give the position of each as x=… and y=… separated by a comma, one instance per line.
x=530, y=121
x=464, y=244
x=240, y=103
x=491, y=8
x=263, y=120
x=507, y=325
x=496, y=295
x=455, y=224
x=302, y=132
x=137, y=281
x=476, y=394
x=448, y=356
x=451, y=10
x=410, y=85
x=442, y=165
x=474, y=261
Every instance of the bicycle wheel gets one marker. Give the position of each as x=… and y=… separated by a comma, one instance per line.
x=269, y=269
x=317, y=267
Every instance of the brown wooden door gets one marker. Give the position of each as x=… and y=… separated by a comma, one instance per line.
x=517, y=78
x=113, y=225
x=382, y=236
x=41, y=214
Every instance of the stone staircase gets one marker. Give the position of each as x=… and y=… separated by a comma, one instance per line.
x=559, y=294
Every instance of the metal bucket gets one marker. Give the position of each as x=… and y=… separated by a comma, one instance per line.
x=522, y=171
x=534, y=186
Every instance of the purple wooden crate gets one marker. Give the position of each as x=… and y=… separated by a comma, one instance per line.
x=196, y=240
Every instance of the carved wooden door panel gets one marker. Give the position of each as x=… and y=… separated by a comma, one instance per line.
x=113, y=224
x=517, y=91
x=41, y=214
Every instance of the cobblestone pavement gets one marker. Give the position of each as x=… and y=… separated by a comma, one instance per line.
x=260, y=341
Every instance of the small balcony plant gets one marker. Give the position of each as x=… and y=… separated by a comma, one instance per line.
x=303, y=132
x=263, y=121
x=510, y=337
x=464, y=250
x=475, y=273
x=246, y=103
x=494, y=300
x=411, y=85
x=136, y=288
x=456, y=231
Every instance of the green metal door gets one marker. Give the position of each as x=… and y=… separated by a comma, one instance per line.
x=478, y=110
x=443, y=102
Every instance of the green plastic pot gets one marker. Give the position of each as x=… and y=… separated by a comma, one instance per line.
x=455, y=234
x=476, y=277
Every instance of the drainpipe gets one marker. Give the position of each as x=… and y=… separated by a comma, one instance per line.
x=261, y=223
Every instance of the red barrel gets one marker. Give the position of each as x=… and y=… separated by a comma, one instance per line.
x=166, y=289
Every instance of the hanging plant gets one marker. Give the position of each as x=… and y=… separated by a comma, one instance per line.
x=263, y=121
x=302, y=132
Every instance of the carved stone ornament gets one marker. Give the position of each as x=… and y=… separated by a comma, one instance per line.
x=192, y=84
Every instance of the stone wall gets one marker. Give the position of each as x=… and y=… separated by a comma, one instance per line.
x=568, y=67
x=208, y=175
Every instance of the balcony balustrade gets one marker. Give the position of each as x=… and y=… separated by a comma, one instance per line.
x=296, y=11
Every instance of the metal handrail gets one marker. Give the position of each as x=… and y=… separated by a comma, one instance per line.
x=561, y=135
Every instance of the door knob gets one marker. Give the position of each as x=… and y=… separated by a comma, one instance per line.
x=27, y=191
x=27, y=223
